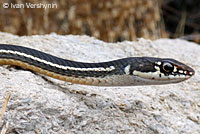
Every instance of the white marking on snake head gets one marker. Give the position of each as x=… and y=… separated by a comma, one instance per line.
x=191, y=73
x=127, y=69
x=159, y=63
x=175, y=69
x=180, y=71
x=185, y=72
x=157, y=68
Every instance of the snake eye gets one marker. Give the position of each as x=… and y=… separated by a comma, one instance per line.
x=167, y=67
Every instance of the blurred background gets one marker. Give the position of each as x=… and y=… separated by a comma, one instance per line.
x=108, y=20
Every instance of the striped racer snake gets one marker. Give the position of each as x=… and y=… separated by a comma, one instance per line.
x=122, y=72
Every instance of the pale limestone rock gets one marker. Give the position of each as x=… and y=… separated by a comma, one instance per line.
x=57, y=107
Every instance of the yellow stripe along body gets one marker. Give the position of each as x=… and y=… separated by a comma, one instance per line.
x=46, y=72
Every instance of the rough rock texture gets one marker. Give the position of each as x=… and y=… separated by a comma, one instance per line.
x=45, y=105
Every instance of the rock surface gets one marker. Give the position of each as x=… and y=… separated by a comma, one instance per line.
x=45, y=105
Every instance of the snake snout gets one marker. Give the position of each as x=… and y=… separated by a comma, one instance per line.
x=190, y=71
x=187, y=70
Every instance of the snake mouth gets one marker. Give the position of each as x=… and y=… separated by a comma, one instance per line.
x=157, y=77
x=150, y=81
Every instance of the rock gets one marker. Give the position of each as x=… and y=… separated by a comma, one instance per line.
x=42, y=104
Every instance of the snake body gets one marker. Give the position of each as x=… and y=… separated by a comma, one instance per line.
x=122, y=72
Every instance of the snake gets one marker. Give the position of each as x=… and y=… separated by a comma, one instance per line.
x=131, y=71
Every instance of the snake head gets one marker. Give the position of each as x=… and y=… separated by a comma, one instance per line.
x=174, y=68
x=161, y=71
